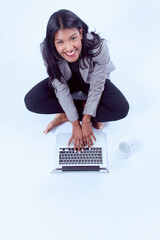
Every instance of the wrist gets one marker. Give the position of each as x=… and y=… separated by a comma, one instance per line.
x=75, y=123
x=86, y=118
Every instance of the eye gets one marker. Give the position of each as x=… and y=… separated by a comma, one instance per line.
x=59, y=42
x=74, y=38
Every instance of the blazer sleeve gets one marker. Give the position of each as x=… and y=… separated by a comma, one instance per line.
x=102, y=68
x=65, y=99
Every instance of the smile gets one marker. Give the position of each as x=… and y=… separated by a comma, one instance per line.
x=70, y=54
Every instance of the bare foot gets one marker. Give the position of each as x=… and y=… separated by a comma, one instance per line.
x=59, y=119
x=97, y=125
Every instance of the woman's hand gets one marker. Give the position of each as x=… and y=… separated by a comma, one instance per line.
x=87, y=131
x=76, y=136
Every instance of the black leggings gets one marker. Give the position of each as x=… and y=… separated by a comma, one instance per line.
x=112, y=106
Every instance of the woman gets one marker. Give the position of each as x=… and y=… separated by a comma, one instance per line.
x=78, y=87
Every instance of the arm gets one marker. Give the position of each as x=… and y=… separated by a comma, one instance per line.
x=76, y=135
x=87, y=131
x=65, y=99
x=102, y=68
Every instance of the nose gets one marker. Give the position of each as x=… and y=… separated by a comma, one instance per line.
x=68, y=47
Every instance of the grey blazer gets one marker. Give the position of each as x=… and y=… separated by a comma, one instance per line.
x=95, y=74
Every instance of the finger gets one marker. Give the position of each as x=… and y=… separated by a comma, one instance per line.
x=93, y=136
x=78, y=145
x=88, y=143
x=84, y=141
x=70, y=140
x=91, y=142
x=81, y=143
x=75, y=145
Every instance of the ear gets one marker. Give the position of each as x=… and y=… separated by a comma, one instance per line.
x=81, y=33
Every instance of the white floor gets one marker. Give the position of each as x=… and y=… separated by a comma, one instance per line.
x=123, y=204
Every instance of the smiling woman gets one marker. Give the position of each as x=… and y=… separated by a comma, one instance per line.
x=68, y=43
x=77, y=62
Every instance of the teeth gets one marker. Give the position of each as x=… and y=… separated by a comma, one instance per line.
x=70, y=53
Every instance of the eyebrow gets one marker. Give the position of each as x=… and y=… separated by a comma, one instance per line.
x=69, y=37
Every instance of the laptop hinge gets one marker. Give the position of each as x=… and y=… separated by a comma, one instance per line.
x=80, y=168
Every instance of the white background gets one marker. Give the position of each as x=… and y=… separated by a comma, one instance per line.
x=123, y=204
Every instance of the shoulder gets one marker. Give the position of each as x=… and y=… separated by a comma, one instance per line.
x=102, y=51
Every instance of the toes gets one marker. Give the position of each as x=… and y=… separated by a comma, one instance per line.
x=45, y=132
x=98, y=125
x=55, y=122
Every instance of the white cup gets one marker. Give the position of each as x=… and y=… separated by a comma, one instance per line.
x=125, y=147
x=125, y=150
x=128, y=148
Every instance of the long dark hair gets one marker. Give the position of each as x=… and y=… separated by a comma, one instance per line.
x=66, y=19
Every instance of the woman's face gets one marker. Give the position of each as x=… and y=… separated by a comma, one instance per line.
x=68, y=43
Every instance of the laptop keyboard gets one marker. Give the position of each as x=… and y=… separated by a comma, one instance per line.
x=68, y=155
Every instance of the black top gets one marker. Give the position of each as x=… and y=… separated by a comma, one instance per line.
x=76, y=82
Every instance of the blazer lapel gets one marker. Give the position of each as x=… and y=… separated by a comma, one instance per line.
x=84, y=72
x=65, y=70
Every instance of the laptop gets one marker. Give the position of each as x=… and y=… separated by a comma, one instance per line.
x=93, y=159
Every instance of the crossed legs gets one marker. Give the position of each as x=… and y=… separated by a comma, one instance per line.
x=41, y=99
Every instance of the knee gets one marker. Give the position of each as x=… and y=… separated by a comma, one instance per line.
x=123, y=109
x=28, y=102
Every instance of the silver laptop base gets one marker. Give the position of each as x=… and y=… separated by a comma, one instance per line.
x=80, y=168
